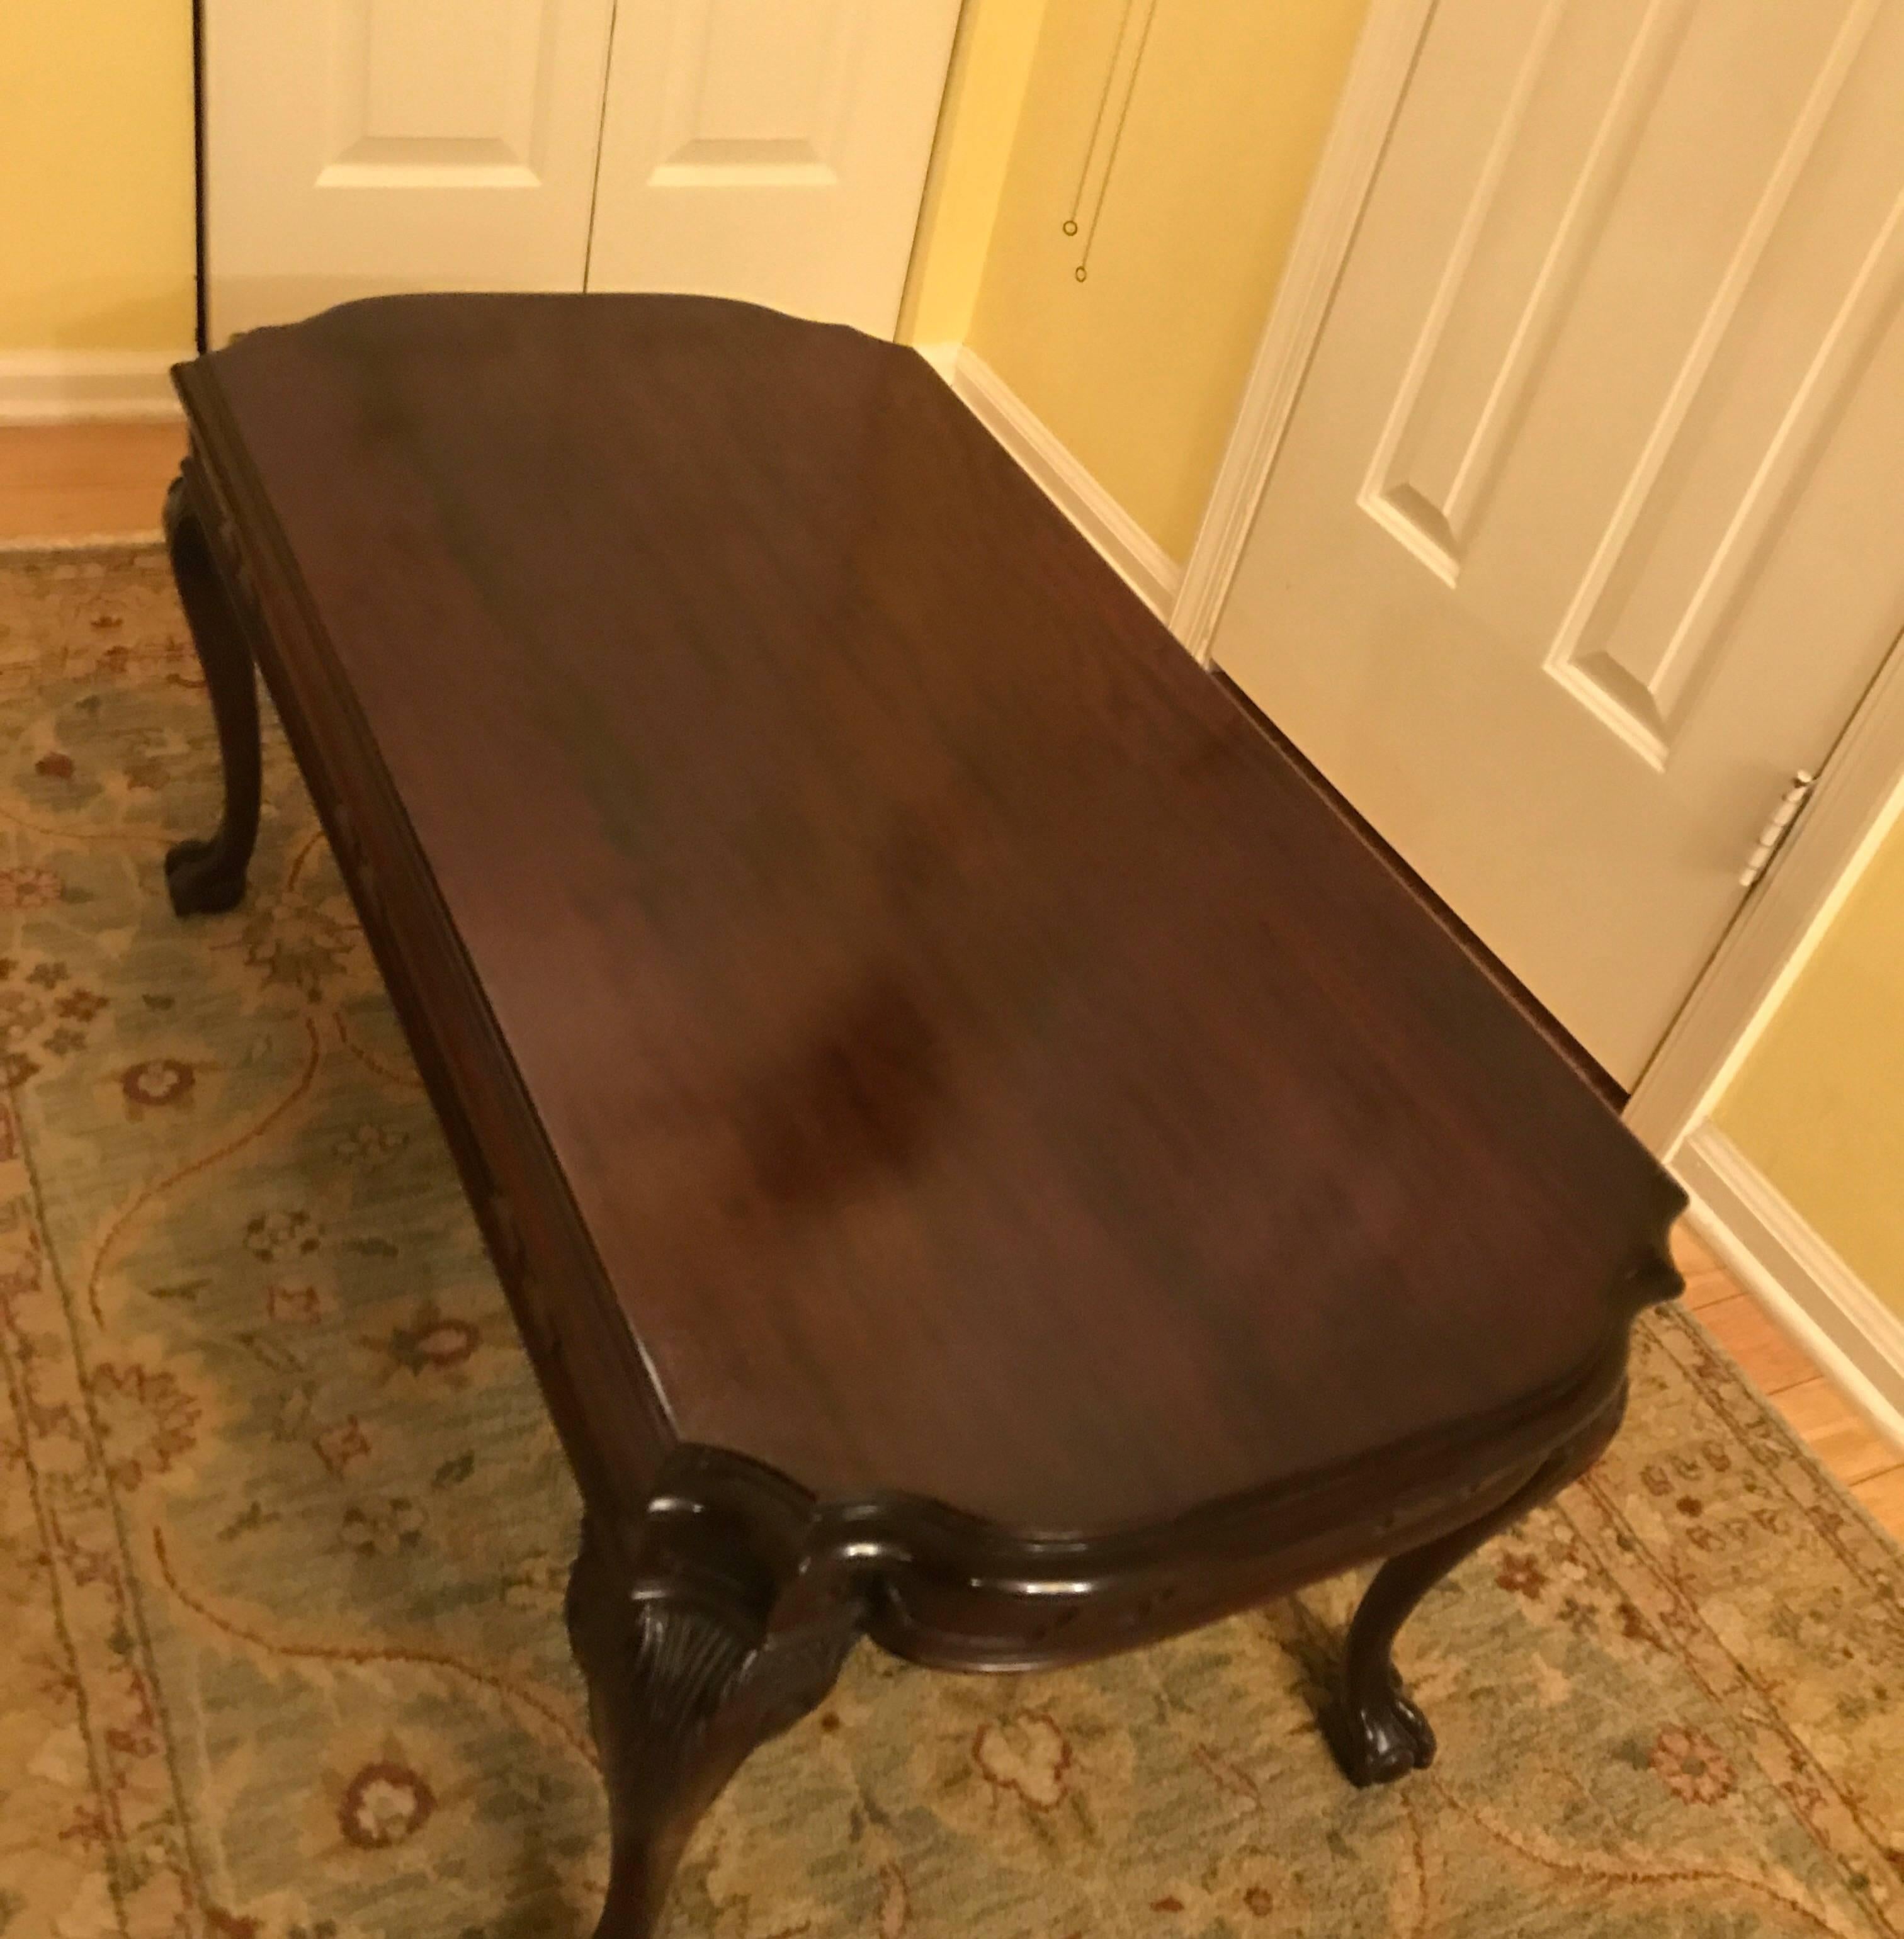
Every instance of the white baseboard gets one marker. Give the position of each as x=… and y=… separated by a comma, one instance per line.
x=1150, y=572
x=66, y=386
x=943, y=358
x=1835, y=1316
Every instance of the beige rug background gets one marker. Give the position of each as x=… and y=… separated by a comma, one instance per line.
x=283, y=1530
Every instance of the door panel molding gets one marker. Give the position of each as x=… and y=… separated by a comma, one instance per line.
x=1640, y=698
x=359, y=147
x=1446, y=441
x=1411, y=489
x=767, y=151
x=487, y=111
x=1656, y=689
x=705, y=141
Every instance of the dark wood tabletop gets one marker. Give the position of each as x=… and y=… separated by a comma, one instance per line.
x=987, y=1067
x=983, y=1067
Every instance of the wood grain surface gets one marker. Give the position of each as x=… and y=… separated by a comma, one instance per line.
x=985, y=1068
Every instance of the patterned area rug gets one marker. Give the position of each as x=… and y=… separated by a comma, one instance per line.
x=283, y=1531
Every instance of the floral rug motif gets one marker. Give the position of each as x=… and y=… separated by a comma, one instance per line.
x=284, y=1529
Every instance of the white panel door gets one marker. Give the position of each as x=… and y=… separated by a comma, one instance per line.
x=773, y=150
x=355, y=147
x=1583, y=537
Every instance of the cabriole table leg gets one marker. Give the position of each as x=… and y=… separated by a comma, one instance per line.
x=690, y=1667
x=1373, y=1727
x=206, y=877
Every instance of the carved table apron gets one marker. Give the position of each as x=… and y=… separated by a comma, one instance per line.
x=984, y=1154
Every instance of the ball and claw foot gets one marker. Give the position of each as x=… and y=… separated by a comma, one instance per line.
x=200, y=881
x=1373, y=1726
x=1380, y=1738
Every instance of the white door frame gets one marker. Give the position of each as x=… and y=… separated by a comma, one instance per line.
x=1860, y=790
x=1372, y=94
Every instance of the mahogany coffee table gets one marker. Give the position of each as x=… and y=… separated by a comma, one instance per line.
x=983, y=1153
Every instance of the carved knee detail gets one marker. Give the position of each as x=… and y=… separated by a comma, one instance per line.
x=691, y=1663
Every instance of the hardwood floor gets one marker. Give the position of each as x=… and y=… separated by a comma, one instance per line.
x=85, y=480
x=1818, y=1410
x=73, y=480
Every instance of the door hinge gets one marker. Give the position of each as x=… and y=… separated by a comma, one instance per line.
x=1778, y=825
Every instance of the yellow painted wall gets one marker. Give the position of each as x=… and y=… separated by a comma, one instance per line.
x=1819, y=1106
x=1138, y=369
x=95, y=175
x=984, y=93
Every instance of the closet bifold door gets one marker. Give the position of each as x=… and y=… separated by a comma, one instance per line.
x=360, y=147
x=770, y=150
